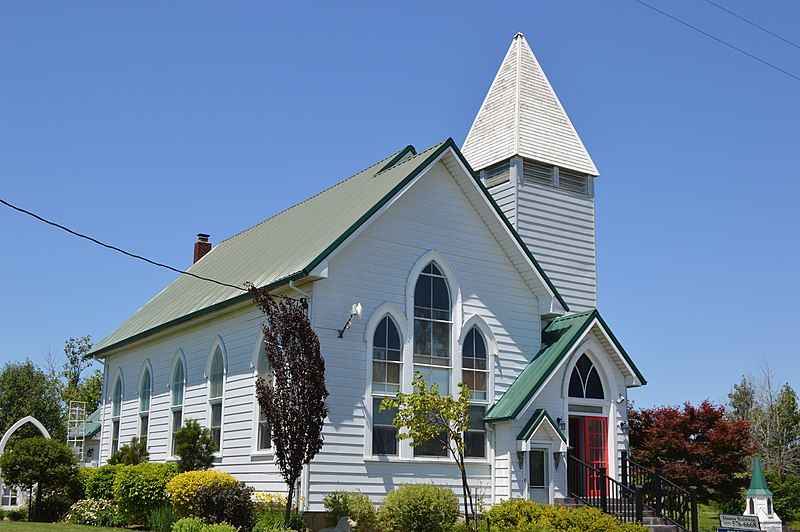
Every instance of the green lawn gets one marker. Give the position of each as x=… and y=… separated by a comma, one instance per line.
x=21, y=526
x=707, y=518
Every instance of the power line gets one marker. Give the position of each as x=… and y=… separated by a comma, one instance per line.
x=118, y=249
x=762, y=28
x=726, y=43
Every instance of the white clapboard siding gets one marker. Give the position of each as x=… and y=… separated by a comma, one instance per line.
x=506, y=198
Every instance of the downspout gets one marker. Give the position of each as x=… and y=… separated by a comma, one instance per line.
x=301, y=292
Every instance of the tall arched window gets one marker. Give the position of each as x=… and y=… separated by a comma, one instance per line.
x=432, y=328
x=264, y=439
x=145, y=388
x=216, y=380
x=475, y=371
x=116, y=410
x=584, y=383
x=176, y=400
x=387, y=364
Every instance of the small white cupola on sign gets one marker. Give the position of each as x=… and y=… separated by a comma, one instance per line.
x=201, y=247
x=758, y=501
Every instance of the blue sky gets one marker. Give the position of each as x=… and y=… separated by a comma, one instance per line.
x=146, y=124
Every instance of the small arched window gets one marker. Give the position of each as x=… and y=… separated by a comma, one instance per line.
x=216, y=380
x=585, y=381
x=264, y=440
x=145, y=390
x=769, y=506
x=387, y=363
x=116, y=410
x=752, y=507
x=474, y=363
x=176, y=402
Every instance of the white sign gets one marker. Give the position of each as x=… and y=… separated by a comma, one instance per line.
x=742, y=522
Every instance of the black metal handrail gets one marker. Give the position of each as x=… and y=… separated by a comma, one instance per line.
x=593, y=487
x=665, y=498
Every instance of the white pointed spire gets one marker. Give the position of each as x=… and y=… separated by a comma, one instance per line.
x=521, y=115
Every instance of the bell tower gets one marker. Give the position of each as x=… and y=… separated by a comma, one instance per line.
x=532, y=161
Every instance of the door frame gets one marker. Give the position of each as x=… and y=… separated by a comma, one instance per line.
x=548, y=461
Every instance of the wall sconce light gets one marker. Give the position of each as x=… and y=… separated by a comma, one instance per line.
x=623, y=425
x=355, y=310
x=561, y=423
x=521, y=457
x=620, y=399
x=557, y=457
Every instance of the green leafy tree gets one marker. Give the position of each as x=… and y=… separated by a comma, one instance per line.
x=131, y=454
x=77, y=351
x=26, y=390
x=194, y=447
x=47, y=464
x=425, y=415
x=89, y=391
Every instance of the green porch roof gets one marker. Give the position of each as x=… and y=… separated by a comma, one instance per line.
x=539, y=416
x=758, y=484
x=557, y=340
x=288, y=246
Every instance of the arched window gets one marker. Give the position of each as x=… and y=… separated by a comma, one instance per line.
x=752, y=507
x=387, y=364
x=145, y=390
x=769, y=506
x=176, y=400
x=264, y=440
x=216, y=380
x=116, y=410
x=585, y=381
x=475, y=371
x=432, y=328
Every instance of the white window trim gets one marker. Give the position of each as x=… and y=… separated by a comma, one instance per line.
x=217, y=345
x=146, y=367
x=254, y=450
x=394, y=312
x=178, y=357
x=118, y=379
x=479, y=323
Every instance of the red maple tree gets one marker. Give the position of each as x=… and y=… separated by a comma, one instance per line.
x=693, y=446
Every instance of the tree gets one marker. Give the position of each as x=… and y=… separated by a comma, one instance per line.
x=194, y=447
x=25, y=390
x=132, y=454
x=771, y=409
x=47, y=464
x=694, y=446
x=293, y=401
x=77, y=351
x=425, y=415
x=89, y=391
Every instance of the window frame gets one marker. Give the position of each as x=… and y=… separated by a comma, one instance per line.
x=479, y=325
x=255, y=450
x=142, y=413
x=117, y=400
x=179, y=359
x=377, y=395
x=217, y=349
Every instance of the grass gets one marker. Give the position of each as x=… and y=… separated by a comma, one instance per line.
x=11, y=526
x=707, y=518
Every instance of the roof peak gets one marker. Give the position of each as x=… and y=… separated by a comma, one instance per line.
x=521, y=115
x=758, y=484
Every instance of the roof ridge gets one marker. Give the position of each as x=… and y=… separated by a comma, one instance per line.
x=423, y=152
x=390, y=156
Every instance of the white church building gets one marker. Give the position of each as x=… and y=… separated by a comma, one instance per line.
x=473, y=264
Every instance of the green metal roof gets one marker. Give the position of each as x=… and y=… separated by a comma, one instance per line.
x=758, y=484
x=92, y=425
x=287, y=246
x=539, y=416
x=557, y=340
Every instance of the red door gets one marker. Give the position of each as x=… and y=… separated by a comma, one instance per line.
x=595, y=448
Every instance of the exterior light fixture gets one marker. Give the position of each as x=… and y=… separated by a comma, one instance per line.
x=521, y=457
x=355, y=310
x=619, y=400
x=623, y=425
x=561, y=423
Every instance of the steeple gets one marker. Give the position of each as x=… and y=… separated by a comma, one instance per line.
x=758, y=500
x=533, y=162
x=758, y=484
x=521, y=115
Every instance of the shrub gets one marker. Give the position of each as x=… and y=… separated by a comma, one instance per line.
x=220, y=527
x=354, y=505
x=183, y=488
x=189, y=524
x=140, y=488
x=523, y=514
x=93, y=512
x=226, y=503
x=161, y=519
x=2, y=514
x=194, y=447
x=272, y=521
x=100, y=482
x=131, y=454
x=20, y=514
x=419, y=508
x=54, y=506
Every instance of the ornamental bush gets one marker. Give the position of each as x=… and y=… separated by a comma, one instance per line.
x=93, y=512
x=184, y=487
x=220, y=527
x=226, y=503
x=526, y=515
x=194, y=447
x=100, y=482
x=419, y=508
x=20, y=514
x=272, y=521
x=139, y=489
x=161, y=519
x=189, y=524
x=354, y=505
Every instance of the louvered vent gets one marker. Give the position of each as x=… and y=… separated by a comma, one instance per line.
x=499, y=173
x=573, y=182
x=534, y=172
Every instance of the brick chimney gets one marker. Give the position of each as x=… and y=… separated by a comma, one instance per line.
x=202, y=246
